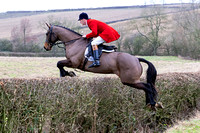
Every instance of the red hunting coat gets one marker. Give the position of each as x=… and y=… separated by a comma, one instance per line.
x=103, y=30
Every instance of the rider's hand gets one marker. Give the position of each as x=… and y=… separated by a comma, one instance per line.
x=84, y=36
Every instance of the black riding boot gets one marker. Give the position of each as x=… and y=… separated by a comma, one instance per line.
x=96, y=62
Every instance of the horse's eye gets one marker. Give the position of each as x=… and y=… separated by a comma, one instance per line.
x=46, y=34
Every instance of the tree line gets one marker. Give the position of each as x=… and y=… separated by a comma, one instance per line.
x=164, y=34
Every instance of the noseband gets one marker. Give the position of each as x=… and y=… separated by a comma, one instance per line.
x=50, y=34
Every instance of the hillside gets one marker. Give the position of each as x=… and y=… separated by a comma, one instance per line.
x=108, y=15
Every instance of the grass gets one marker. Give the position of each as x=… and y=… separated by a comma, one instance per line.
x=171, y=64
x=24, y=67
x=164, y=58
x=31, y=67
x=192, y=126
x=188, y=126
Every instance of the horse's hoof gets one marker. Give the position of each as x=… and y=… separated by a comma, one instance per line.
x=159, y=105
x=72, y=74
x=151, y=107
x=62, y=75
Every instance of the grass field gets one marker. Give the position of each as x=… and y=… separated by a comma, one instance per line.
x=40, y=67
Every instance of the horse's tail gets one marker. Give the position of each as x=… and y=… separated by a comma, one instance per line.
x=151, y=75
x=151, y=71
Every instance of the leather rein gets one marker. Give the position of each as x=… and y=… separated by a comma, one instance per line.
x=60, y=42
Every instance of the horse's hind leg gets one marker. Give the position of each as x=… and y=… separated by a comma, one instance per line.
x=64, y=73
x=147, y=89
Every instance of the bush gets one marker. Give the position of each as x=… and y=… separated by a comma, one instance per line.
x=30, y=47
x=134, y=45
x=5, y=45
x=185, y=47
x=95, y=105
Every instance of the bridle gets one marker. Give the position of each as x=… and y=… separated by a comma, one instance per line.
x=59, y=42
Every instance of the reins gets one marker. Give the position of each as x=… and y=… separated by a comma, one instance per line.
x=61, y=42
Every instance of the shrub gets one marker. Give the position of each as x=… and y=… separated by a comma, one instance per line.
x=94, y=105
x=134, y=45
x=5, y=45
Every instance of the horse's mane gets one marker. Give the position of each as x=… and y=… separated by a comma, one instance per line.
x=69, y=30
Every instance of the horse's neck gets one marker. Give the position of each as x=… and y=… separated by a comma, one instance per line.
x=74, y=50
x=66, y=35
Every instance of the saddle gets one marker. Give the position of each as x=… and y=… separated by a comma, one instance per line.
x=101, y=48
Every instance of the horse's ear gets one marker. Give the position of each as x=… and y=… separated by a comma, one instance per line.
x=48, y=25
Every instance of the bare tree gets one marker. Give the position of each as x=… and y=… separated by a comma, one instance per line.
x=25, y=28
x=15, y=38
x=151, y=27
x=187, y=32
x=119, y=42
x=22, y=39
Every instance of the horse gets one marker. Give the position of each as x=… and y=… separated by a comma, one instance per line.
x=127, y=67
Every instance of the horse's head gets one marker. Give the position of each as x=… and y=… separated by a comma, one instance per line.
x=51, y=38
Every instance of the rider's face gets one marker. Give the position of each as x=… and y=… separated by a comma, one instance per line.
x=83, y=21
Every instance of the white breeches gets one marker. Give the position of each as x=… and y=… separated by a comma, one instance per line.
x=97, y=41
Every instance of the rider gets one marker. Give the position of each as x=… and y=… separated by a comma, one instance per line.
x=102, y=33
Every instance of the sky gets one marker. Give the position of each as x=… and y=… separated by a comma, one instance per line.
x=32, y=5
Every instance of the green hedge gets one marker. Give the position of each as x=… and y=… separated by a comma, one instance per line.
x=93, y=105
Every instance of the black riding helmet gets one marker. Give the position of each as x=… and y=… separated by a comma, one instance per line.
x=83, y=16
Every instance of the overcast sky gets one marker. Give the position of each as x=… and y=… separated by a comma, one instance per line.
x=31, y=5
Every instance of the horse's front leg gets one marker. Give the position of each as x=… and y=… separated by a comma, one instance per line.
x=61, y=64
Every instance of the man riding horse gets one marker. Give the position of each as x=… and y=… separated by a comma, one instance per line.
x=127, y=67
x=102, y=33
